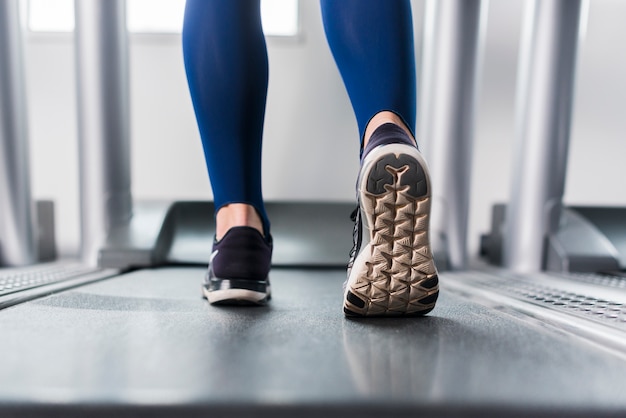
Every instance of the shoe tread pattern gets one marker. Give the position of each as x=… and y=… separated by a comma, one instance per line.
x=399, y=277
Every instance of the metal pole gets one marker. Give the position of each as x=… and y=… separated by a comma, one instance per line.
x=452, y=39
x=103, y=121
x=17, y=234
x=545, y=96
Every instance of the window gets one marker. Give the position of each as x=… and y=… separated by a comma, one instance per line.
x=280, y=17
x=50, y=16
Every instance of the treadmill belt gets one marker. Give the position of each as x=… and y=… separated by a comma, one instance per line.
x=146, y=344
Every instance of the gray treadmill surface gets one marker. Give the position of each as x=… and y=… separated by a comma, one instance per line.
x=146, y=344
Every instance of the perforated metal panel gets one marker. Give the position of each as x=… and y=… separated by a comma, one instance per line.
x=572, y=294
x=605, y=280
x=561, y=299
x=19, y=279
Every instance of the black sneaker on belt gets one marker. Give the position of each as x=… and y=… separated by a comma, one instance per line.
x=238, y=268
x=391, y=270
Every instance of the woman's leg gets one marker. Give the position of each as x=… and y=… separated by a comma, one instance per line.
x=372, y=42
x=227, y=71
x=391, y=269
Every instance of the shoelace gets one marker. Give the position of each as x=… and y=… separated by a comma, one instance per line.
x=355, y=216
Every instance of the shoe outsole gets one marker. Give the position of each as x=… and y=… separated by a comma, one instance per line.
x=236, y=297
x=237, y=292
x=394, y=273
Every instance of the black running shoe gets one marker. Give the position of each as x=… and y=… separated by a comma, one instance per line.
x=391, y=270
x=239, y=268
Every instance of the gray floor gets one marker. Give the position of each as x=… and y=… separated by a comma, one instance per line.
x=146, y=344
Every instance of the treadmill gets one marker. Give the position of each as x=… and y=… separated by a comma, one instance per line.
x=131, y=335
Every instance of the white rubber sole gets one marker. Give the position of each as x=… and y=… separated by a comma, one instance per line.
x=236, y=296
x=394, y=273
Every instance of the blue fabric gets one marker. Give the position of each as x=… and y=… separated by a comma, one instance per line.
x=372, y=42
x=227, y=70
x=226, y=64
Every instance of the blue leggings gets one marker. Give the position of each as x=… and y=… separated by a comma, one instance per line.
x=227, y=71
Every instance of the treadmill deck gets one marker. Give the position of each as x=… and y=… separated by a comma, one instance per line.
x=146, y=343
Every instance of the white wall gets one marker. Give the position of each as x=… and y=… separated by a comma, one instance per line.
x=311, y=142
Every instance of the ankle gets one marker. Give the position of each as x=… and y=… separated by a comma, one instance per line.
x=382, y=118
x=237, y=214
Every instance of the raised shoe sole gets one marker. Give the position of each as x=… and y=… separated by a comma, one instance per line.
x=394, y=273
x=236, y=292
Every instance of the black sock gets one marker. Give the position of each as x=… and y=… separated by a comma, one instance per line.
x=387, y=133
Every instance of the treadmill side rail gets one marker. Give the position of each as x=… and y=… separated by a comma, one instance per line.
x=142, y=242
x=585, y=240
x=580, y=246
